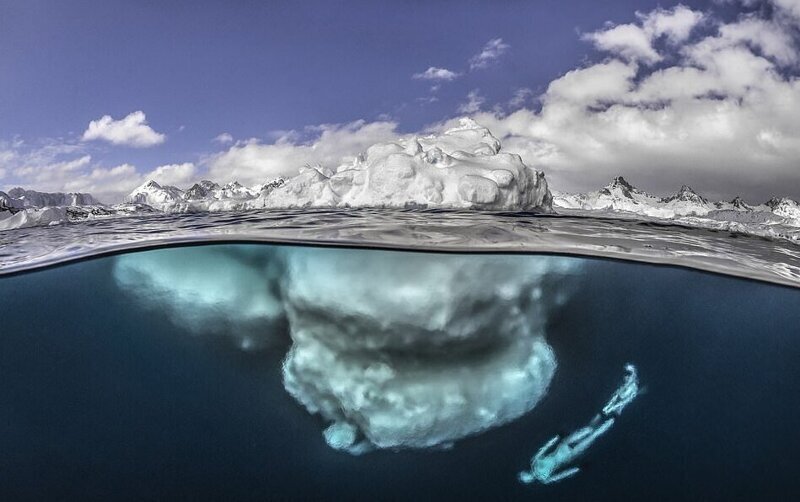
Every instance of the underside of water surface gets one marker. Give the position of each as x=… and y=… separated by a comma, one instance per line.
x=254, y=371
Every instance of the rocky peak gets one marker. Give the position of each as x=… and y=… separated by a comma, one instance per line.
x=738, y=203
x=687, y=194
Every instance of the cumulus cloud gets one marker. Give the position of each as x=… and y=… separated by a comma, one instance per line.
x=718, y=112
x=634, y=42
x=490, y=53
x=129, y=131
x=437, y=74
x=56, y=166
x=253, y=161
x=224, y=139
x=473, y=103
x=173, y=174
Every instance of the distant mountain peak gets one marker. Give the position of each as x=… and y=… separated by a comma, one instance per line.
x=687, y=194
x=739, y=203
x=619, y=181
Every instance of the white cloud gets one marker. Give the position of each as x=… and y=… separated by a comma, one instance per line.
x=224, y=139
x=473, y=103
x=173, y=174
x=634, y=42
x=64, y=167
x=626, y=40
x=253, y=162
x=130, y=131
x=105, y=183
x=437, y=74
x=520, y=98
x=789, y=7
x=676, y=23
x=489, y=54
x=721, y=115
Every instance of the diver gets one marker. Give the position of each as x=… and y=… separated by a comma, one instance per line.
x=624, y=394
x=547, y=466
x=555, y=454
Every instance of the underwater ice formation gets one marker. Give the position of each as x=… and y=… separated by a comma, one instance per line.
x=408, y=350
x=549, y=464
x=217, y=290
x=391, y=349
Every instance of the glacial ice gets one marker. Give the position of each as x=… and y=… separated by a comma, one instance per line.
x=460, y=168
x=391, y=349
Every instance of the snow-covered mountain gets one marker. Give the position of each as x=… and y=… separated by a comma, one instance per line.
x=686, y=206
x=203, y=196
x=621, y=196
x=19, y=198
x=20, y=208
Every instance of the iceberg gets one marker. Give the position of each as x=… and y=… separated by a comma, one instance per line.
x=210, y=290
x=462, y=168
x=391, y=349
x=412, y=350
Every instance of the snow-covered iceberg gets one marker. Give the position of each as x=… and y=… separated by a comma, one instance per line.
x=391, y=349
x=460, y=168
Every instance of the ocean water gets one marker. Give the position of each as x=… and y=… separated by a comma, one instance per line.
x=147, y=375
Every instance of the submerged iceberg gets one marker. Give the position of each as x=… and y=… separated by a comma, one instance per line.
x=412, y=350
x=392, y=349
x=212, y=290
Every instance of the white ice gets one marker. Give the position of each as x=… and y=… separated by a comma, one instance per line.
x=460, y=168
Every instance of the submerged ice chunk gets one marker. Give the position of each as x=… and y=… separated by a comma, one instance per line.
x=549, y=464
x=219, y=290
x=414, y=350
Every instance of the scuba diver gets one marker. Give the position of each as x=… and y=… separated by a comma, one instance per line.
x=556, y=453
x=624, y=394
x=547, y=466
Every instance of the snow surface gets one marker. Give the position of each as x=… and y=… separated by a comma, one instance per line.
x=391, y=349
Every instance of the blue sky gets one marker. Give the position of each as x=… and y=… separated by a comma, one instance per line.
x=257, y=70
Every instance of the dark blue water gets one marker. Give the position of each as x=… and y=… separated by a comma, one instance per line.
x=103, y=399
